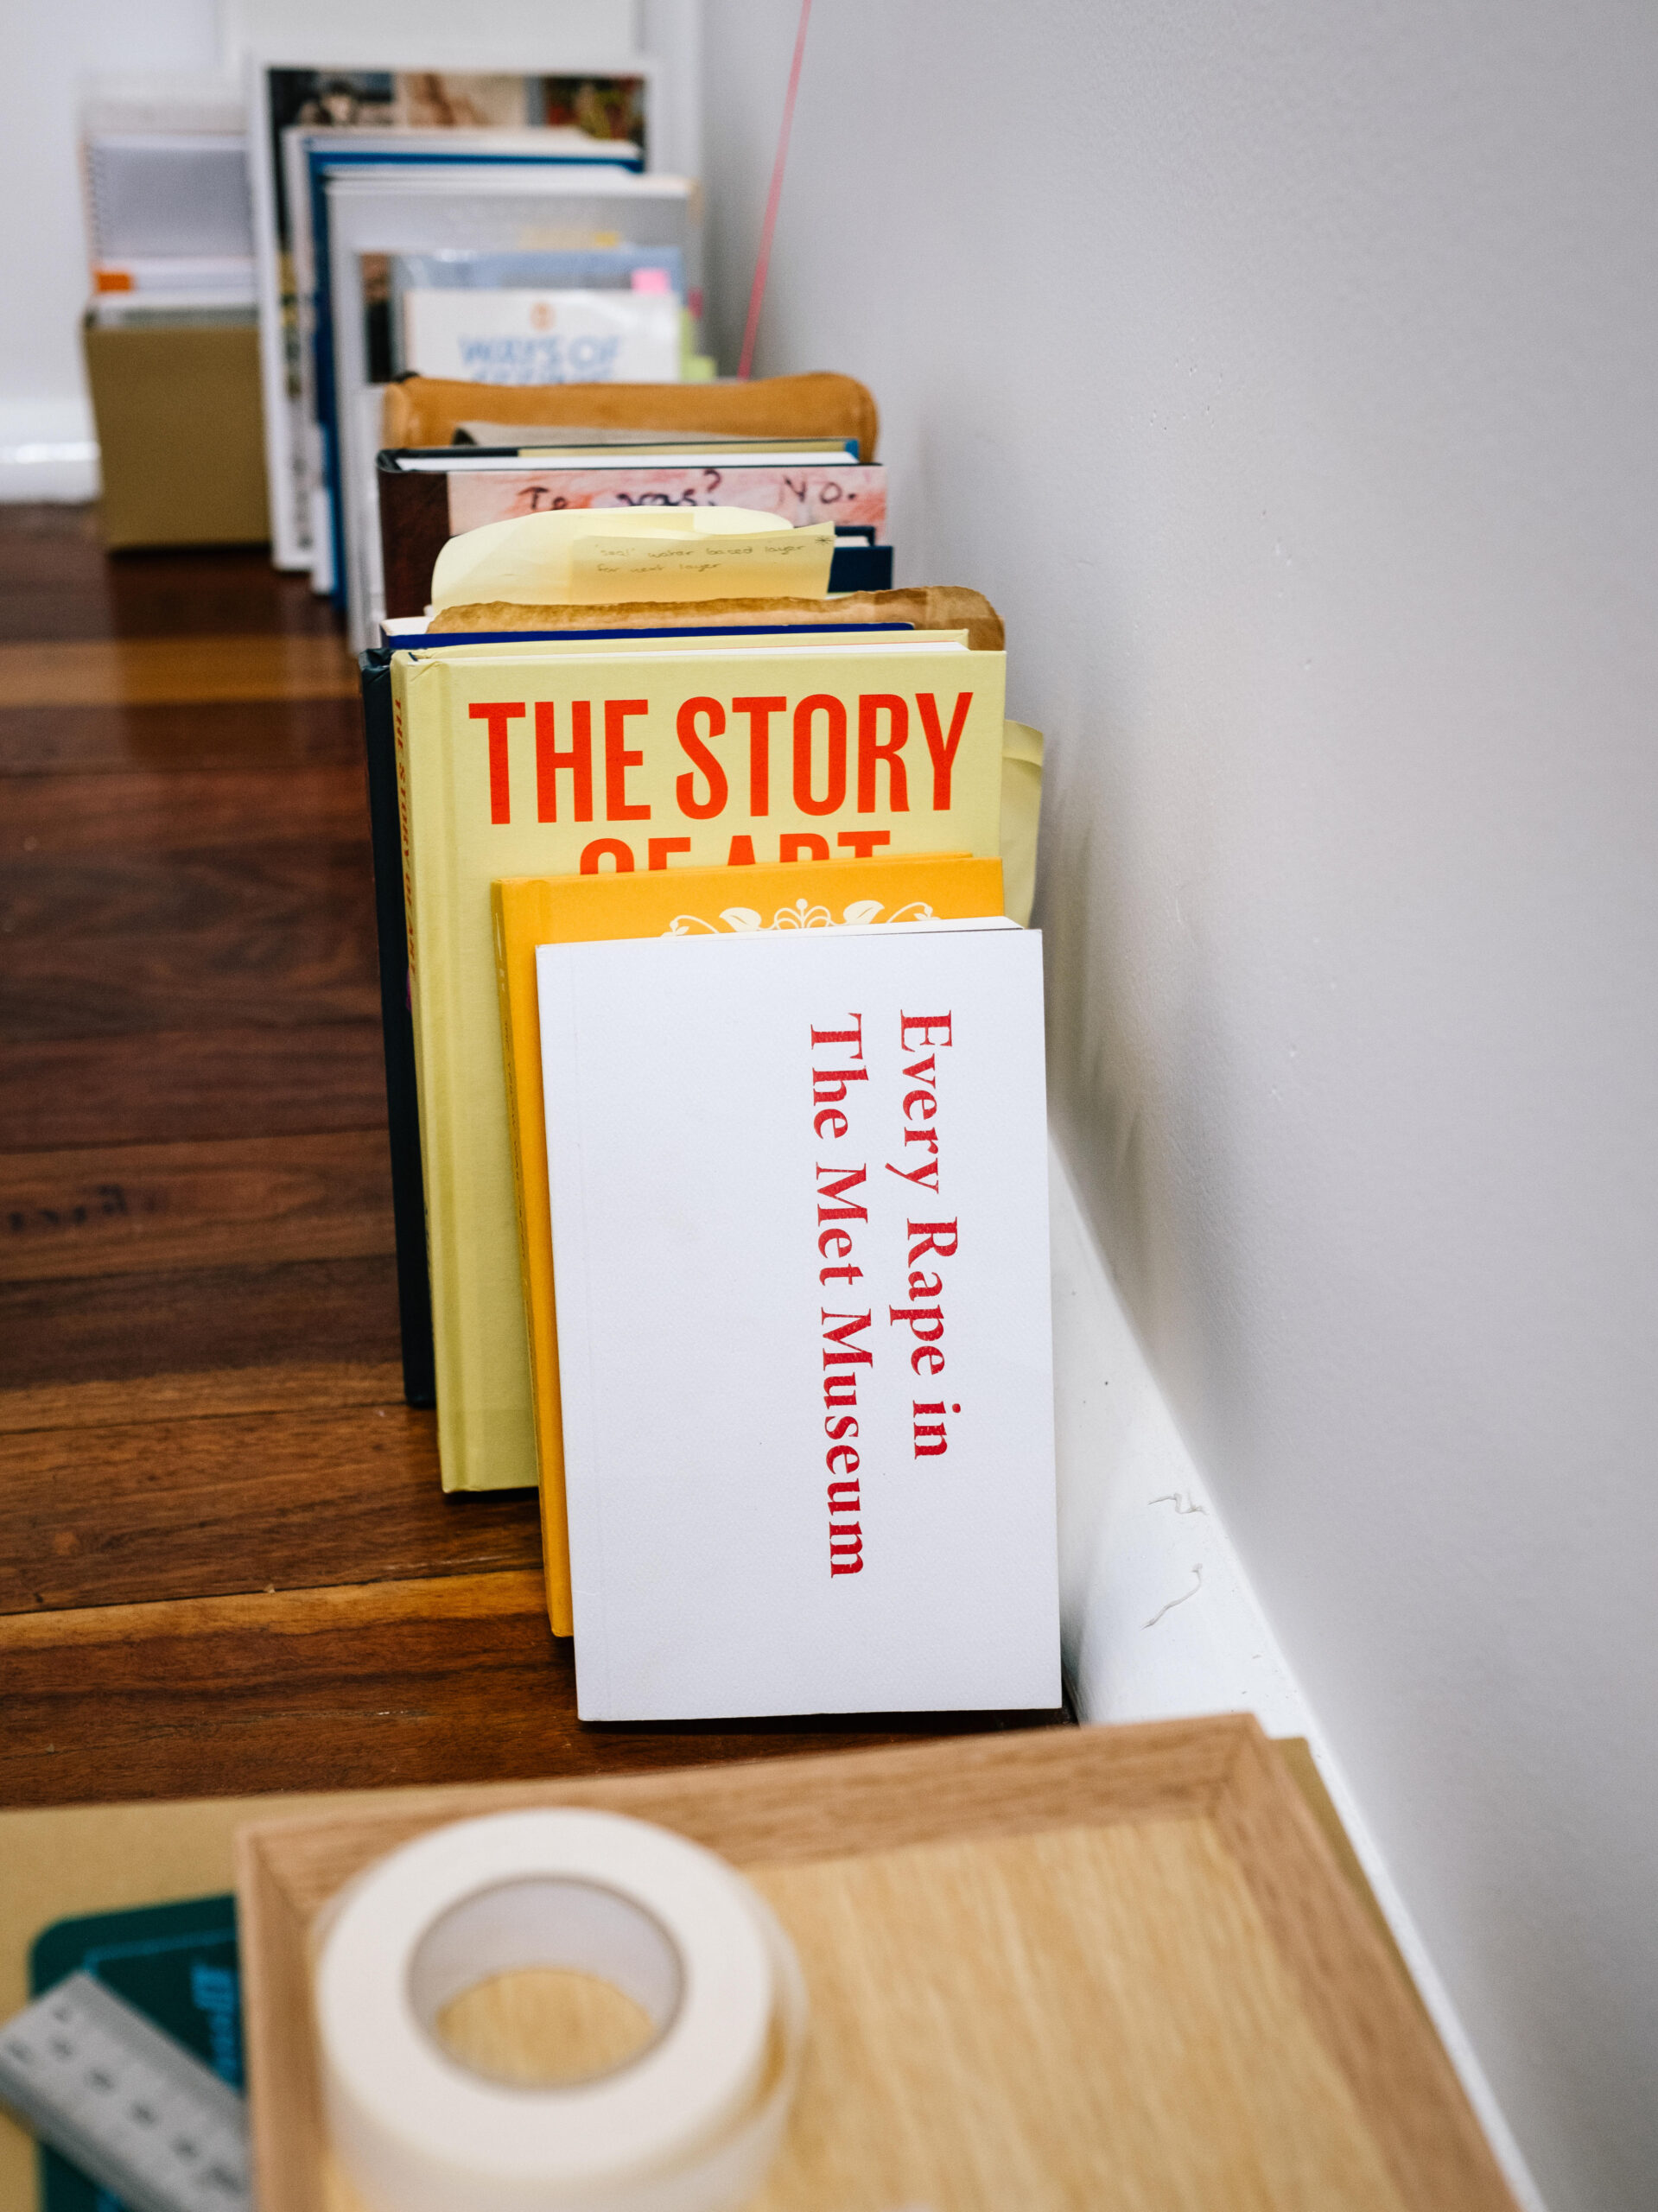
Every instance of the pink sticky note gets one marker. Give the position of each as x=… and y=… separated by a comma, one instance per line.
x=651, y=280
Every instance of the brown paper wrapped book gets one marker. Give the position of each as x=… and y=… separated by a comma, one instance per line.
x=427, y=410
x=930, y=606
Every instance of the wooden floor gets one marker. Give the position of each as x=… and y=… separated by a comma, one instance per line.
x=225, y=1563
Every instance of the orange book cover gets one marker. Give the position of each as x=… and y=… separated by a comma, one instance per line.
x=530, y=910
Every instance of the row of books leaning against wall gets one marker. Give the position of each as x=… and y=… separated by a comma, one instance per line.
x=264, y=263
x=715, y=1063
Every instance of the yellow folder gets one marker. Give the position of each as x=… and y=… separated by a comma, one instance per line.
x=560, y=910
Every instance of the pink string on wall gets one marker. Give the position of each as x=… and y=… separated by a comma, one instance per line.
x=751, y=328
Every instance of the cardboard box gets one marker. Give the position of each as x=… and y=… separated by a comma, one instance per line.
x=180, y=433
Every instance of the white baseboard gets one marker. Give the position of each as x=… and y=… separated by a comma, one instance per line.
x=48, y=450
x=1158, y=1617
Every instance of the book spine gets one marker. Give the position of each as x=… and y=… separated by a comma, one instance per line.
x=414, y=528
x=407, y=720
x=512, y=1072
x=516, y=1050
x=427, y=758
x=861, y=567
x=405, y=850
x=402, y=1112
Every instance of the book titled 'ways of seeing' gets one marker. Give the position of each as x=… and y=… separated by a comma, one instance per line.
x=799, y=1204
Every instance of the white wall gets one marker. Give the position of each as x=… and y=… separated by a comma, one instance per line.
x=1286, y=375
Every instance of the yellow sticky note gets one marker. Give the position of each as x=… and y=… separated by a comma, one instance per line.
x=788, y=563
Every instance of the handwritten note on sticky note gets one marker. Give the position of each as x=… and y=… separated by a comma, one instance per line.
x=790, y=563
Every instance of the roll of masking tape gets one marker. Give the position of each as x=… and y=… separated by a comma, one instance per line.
x=689, y=2124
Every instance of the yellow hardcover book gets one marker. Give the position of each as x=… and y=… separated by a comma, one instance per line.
x=562, y=910
x=571, y=763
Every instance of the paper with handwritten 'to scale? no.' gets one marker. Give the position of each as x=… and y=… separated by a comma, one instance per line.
x=606, y=570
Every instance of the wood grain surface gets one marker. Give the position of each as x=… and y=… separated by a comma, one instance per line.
x=179, y=739
x=283, y=933
x=364, y=1686
x=113, y=1327
x=166, y=670
x=60, y=1861
x=1093, y=2016
x=296, y=973
x=222, y=1390
x=236, y=1081
x=125, y=1209
x=1105, y=1967
x=151, y=809
x=55, y=582
x=239, y=1502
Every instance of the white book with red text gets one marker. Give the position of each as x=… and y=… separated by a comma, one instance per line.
x=800, y=1238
